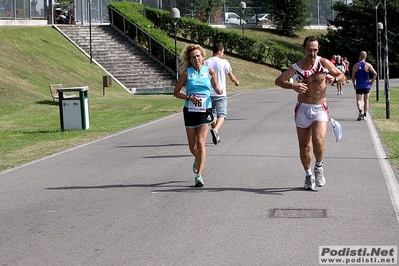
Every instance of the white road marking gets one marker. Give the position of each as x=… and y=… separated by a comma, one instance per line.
x=389, y=176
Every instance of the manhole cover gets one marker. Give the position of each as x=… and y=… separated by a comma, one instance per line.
x=298, y=213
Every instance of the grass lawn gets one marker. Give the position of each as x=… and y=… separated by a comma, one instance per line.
x=33, y=58
x=389, y=128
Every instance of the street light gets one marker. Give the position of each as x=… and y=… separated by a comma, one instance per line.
x=91, y=50
x=377, y=86
x=175, y=16
x=380, y=27
x=318, y=13
x=386, y=81
x=242, y=7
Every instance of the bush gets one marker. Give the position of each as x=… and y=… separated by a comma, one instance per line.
x=158, y=24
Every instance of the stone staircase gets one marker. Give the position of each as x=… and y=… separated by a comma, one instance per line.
x=126, y=62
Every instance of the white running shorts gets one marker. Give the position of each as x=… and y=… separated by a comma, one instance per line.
x=306, y=114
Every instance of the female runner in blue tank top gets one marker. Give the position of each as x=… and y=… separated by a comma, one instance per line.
x=197, y=111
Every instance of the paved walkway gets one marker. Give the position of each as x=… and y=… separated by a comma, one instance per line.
x=128, y=199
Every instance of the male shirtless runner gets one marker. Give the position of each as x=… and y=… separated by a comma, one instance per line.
x=312, y=73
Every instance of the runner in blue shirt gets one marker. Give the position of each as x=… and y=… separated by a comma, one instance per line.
x=199, y=80
x=362, y=84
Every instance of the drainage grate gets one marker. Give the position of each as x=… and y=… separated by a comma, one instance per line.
x=298, y=213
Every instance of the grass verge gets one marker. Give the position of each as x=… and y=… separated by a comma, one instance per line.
x=389, y=128
x=33, y=58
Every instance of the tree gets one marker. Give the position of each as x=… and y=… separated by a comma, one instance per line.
x=289, y=16
x=354, y=30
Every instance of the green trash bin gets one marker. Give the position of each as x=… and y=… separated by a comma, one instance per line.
x=74, y=111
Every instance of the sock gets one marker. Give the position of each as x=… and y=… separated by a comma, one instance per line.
x=320, y=164
x=360, y=111
x=364, y=114
x=308, y=172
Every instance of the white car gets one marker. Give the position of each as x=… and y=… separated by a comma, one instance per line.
x=259, y=19
x=233, y=18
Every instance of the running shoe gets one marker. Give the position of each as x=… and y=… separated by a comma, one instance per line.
x=195, y=168
x=199, y=182
x=364, y=117
x=360, y=116
x=309, y=182
x=320, y=179
x=215, y=136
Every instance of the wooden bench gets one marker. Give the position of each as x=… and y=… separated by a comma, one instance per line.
x=54, y=92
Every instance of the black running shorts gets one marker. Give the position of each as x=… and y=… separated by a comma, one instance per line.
x=197, y=119
x=363, y=91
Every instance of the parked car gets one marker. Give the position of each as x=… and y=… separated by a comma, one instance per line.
x=232, y=18
x=259, y=19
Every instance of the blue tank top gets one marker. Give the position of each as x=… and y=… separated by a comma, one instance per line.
x=362, y=77
x=199, y=83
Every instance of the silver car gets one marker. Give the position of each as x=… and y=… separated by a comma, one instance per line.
x=259, y=19
x=233, y=18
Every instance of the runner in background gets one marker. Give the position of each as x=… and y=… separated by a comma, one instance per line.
x=219, y=102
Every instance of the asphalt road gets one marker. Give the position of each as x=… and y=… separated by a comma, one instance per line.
x=128, y=199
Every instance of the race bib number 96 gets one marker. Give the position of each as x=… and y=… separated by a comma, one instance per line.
x=199, y=106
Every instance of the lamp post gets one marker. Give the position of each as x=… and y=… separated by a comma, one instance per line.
x=386, y=81
x=242, y=7
x=175, y=16
x=377, y=86
x=318, y=13
x=91, y=52
x=380, y=26
x=224, y=12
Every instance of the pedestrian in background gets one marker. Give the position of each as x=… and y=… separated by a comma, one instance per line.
x=341, y=66
x=362, y=84
x=313, y=73
x=333, y=60
x=347, y=64
x=197, y=112
x=222, y=68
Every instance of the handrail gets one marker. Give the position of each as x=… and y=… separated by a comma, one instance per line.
x=151, y=46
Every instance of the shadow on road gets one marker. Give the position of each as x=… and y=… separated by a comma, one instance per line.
x=172, y=187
